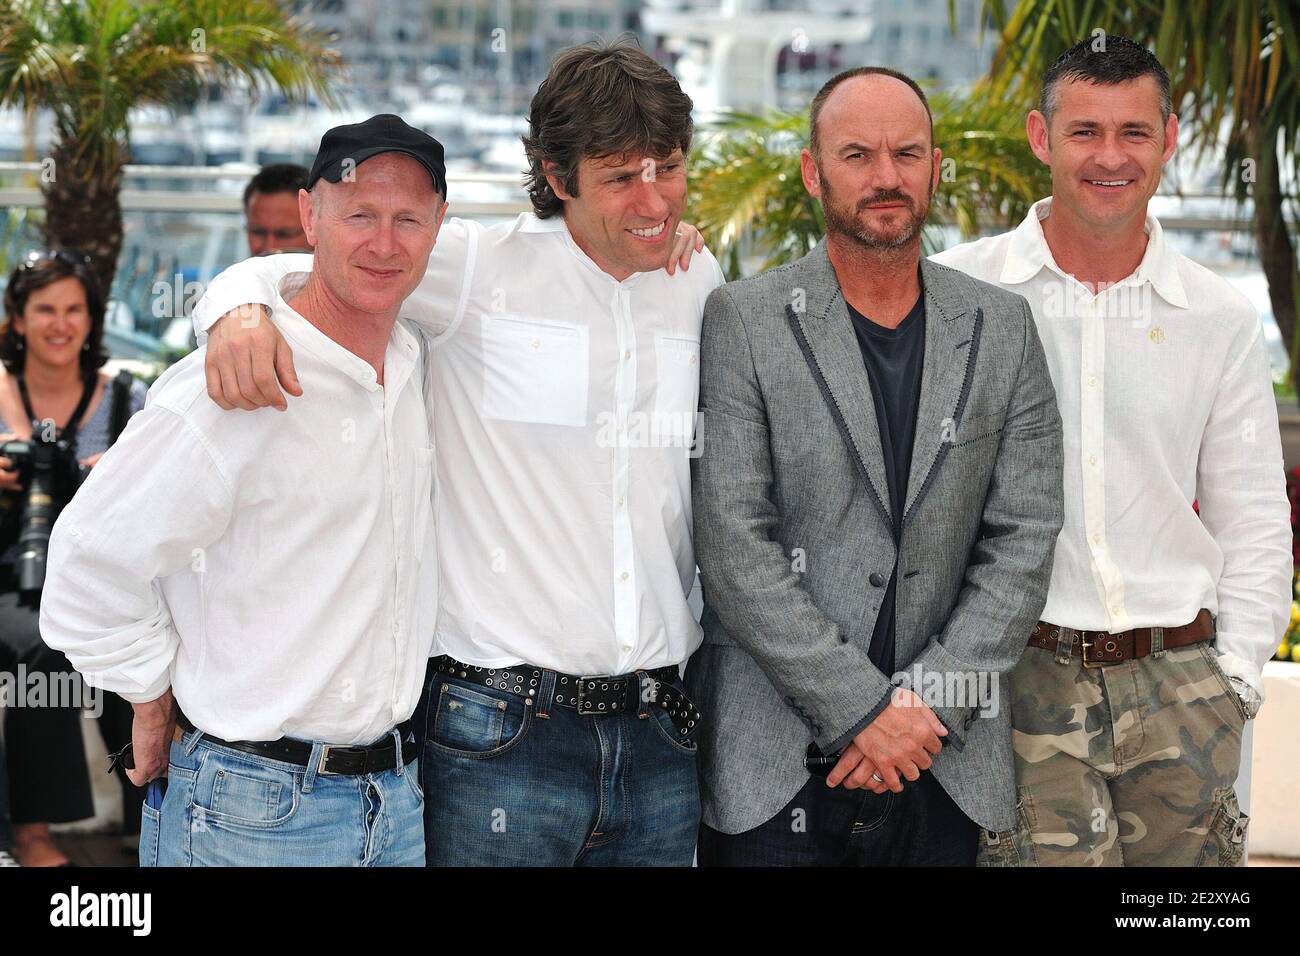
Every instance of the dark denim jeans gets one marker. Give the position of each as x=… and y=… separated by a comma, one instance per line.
x=513, y=784
x=821, y=826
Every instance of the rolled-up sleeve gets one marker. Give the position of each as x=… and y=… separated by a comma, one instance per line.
x=156, y=499
x=1241, y=487
x=251, y=282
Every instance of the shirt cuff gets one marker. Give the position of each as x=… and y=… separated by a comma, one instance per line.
x=1234, y=666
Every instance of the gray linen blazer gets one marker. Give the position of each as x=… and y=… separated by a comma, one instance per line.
x=795, y=544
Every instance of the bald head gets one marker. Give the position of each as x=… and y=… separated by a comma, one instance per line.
x=865, y=95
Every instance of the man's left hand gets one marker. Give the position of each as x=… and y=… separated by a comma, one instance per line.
x=689, y=241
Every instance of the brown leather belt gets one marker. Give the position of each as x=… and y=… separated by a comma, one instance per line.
x=1099, y=648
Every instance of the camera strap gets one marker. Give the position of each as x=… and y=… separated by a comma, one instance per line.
x=120, y=410
x=68, y=433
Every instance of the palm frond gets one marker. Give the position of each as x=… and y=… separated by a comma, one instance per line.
x=749, y=200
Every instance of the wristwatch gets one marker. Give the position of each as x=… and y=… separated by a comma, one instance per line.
x=1250, y=698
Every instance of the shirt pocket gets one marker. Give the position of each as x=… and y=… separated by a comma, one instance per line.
x=421, y=497
x=534, y=371
x=677, y=387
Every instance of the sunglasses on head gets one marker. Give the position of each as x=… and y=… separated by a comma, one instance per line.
x=38, y=256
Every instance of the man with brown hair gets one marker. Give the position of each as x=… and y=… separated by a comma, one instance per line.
x=1172, y=577
x=562, y=392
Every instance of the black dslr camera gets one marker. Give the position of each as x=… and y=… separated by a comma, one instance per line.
x=50, y=474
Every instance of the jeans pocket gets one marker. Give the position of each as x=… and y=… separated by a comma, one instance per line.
x=1225, y=844
x=473, y=722
x=681, y=739
x=238, y=791
x=150, y=821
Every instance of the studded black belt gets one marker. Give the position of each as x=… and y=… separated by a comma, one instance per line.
x=589, y=696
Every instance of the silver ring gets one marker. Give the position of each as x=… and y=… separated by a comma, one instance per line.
x=878, y=778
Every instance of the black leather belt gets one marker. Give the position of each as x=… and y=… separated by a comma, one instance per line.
x=589, y=696
x=349, y=761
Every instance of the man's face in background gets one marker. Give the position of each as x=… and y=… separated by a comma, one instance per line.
x=274, y=224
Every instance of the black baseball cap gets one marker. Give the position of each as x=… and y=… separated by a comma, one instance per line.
x=384, y=133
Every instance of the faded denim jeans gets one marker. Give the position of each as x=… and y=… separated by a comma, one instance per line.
x=224, y=807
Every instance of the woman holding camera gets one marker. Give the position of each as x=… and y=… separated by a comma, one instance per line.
x=51, y=389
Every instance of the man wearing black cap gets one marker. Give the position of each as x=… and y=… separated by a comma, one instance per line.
x=267, y=593
x=563, y=387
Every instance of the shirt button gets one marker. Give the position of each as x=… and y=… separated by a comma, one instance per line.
x=1092, y=380
x=627, y=355
x=1096, y=539
x=619, y=503
x=623, y=575
x=537, y=343
x=1092, y=459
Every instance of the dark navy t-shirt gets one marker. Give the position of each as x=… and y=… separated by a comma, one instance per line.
x=894, y=359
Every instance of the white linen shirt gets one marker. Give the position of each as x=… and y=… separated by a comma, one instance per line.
x=276, y=569
x=562, y=405
x=1166, y=397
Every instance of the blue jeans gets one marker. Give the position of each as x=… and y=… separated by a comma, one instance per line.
x=514, y=784
x=224, y=807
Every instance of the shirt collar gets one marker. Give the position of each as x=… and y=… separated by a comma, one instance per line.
x=529, y=222
x=1028, y=253
x=400, y=354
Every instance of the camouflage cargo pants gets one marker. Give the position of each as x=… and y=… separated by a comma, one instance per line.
x=1130, y=764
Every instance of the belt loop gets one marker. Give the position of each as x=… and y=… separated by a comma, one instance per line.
x=546, y=694
x=1065, y=644
x=313, y=765
x=1157, y=642
x=397, y=741
x=647, y=694
x=190, y=739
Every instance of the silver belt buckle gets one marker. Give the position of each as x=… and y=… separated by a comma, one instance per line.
x=1110, y=645
x=324, y=756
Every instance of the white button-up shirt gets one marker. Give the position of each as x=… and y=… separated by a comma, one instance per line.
x=1166, y=396
x=276, y=569
x=562, y=404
